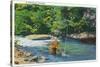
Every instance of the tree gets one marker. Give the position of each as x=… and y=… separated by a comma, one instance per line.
x=41, y=19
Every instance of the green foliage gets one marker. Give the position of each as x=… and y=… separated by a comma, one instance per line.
x=39, y=19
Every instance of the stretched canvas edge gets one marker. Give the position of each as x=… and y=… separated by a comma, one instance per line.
x=42, y=3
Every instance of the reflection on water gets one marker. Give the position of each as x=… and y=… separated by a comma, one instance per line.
x=74, y=50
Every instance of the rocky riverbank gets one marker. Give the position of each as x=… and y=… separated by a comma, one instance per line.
x=24, y=57
x=84, y=37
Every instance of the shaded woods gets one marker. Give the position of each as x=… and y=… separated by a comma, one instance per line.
x=37, y=19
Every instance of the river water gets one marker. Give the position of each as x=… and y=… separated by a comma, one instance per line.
x=74, y=50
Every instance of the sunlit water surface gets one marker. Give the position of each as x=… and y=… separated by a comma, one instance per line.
x=74, y=50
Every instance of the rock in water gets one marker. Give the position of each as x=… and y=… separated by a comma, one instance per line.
x=63, y=54
x=34, y=59
x=41, y=59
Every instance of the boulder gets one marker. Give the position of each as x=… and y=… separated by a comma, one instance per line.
x=88, y=40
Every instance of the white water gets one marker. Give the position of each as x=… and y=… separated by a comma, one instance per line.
x=27, y=42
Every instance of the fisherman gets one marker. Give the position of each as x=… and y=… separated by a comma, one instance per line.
x=53, y=45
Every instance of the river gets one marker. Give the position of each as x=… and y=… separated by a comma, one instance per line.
x=74, y=50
